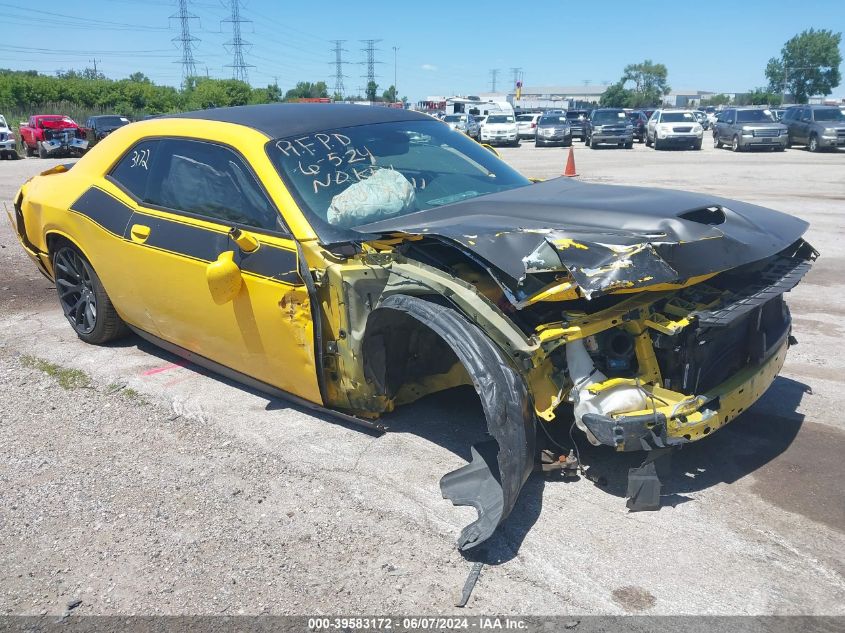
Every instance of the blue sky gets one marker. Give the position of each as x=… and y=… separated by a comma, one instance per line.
x=444, y=47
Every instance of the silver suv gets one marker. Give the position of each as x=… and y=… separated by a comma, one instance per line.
x=747, y=128
x=817, y=127
x=463, y=123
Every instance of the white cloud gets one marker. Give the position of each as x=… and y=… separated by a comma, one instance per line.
x=429, y=67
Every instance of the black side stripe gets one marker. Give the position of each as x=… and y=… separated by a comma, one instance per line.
x=107, y=211
x=198, y=243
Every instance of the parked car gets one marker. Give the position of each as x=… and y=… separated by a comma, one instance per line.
x=500, y=129
x=553, y=129
x=462, y=123
x=96, y=128
x=777, y=113
x=702, y=119
x=609, y=126
x=747, y=128
x=526, y=124
x=678, y=128
x=51, y=135
x=480, y=120
x=639, y=120
x=8, y=143
x=314, y=254
x=576, y=120
x=816, y=127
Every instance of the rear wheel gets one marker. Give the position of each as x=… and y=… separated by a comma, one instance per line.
x=629, y=144
x=84, y=301
x=647, y=140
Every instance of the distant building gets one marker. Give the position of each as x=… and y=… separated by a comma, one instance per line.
x=561, y=97
x=687, y=98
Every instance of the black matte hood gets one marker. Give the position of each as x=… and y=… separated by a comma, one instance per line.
x=606, y=237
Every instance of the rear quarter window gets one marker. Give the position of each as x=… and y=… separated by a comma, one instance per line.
x=132, y=173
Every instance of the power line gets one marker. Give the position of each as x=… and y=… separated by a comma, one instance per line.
x=186, y=40
x=239, y=66
x=338, y=67
x=370, y=62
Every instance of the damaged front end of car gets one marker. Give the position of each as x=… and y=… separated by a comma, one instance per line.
x=653, y=319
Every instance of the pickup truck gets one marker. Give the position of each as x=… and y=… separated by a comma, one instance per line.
x=8, y=144
x=52, y=135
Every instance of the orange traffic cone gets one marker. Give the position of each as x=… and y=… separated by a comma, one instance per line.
x=570, y=164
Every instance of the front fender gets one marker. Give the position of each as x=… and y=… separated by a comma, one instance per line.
x=491, y=483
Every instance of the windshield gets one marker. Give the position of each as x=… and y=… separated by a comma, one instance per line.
x=677, y=117
x=525, y=117
x=353, y=176
x=499, y=118
x=754, y=116
x=455, y=118
x=112, y=121
x=551, y=120
x=829, y=114
x=574, y=115
x=609, y=117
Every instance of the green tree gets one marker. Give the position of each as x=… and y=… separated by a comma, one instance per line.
x=390, y=95
x=616, y=96
x=808, y=65
x=759, y=96
x=308, y=90
x=716, y=100
x=372, y=90
x=649, y=83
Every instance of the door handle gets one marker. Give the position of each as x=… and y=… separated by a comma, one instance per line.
x=139, y=233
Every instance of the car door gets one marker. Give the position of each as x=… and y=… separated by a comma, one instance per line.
x=194, y=205
x=803, y=126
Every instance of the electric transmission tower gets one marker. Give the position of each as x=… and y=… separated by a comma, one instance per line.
x=517, y=76
x=236, y=45
x=494, y=75
x=370, y=62
x=186, y=40
x=338, y=62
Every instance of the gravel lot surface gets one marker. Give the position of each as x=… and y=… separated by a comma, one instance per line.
x=141, y=485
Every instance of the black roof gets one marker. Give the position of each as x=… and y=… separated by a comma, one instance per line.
x=290, y=119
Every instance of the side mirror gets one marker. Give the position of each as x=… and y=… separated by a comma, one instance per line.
x=224, y=278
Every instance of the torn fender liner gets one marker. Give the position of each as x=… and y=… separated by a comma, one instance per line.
x=492, y=481
x=607, y=237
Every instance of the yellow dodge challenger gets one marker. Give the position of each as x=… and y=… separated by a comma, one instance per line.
x=356, y=259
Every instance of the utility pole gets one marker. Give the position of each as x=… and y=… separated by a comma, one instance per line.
x=338, y=67
x=395, y=87
x=370, y=62
x=494, y=74
x=94, y=61
x=186, y=40
x=236, y=45
x=517, y=76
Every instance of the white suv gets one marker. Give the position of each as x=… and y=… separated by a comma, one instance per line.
x=675, y=128
x=500, y=129
x=8, y=144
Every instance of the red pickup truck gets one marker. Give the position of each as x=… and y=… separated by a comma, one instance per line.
x=52, y=135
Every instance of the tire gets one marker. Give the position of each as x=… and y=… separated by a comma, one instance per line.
x=587, y=141
x=656, y=142
x=83, y=299
x=629, y=145
x=780, y=148
x=696, y=146
x=30, y=152
x=537, y=144
x=735, y=146
x=42, y=153
x=647, y=140
x=568, y=143
x=813, y=144
x=593, y=144
x=716, y=142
